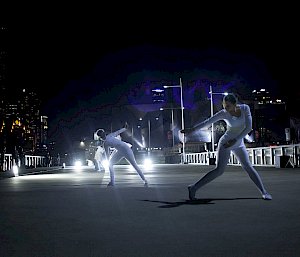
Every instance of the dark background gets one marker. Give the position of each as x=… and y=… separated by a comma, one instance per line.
x=69, y=56
x=50, y=51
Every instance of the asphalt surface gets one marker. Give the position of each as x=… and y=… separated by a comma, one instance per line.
x=68, y=213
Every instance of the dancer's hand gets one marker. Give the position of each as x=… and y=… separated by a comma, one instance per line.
x=229, y=143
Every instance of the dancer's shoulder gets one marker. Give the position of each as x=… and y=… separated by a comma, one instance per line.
x=244, y=106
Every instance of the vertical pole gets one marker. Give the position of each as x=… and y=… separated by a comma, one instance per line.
x=182, y=122
x=132, y=139
x=149, y=131
x=211, y=114
x=173, y=136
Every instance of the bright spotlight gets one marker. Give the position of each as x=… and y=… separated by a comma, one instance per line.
x=147, y=163
x=105, y=164
x=16, y=170
x=78, y=165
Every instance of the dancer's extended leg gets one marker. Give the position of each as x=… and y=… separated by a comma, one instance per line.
x=115, y=158
x=130, y=157
x=242, y=155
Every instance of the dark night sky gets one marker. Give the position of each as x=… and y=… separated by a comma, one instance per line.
x=86, y=57
x=50, y=57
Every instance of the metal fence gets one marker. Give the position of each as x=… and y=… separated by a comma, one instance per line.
x=271, y=156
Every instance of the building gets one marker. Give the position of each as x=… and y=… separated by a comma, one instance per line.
x=270, y=119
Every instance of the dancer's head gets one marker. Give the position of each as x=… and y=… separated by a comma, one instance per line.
x=101, y=134
x=229, y=102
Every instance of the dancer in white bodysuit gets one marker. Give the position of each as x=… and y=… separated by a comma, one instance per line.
x=122, y=150
x=99, y=157
x=239, y=123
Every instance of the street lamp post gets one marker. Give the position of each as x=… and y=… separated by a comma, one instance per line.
x=149, y=136
x=212, y=114
x=182, y=116
x=132, y=138
x=172, y=122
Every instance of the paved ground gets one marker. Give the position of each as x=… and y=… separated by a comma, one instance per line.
x=70, y=213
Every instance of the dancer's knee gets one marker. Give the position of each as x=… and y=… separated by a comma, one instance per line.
x=218, y=171
x=248, y=168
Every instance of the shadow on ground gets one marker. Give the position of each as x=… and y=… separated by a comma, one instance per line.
x=167, y=204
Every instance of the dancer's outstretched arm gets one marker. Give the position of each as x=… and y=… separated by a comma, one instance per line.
x=118, y=132
x=206, y=123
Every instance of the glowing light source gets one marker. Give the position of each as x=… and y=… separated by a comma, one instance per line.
x=16, y=170
x=147, y=163
x=78, y=165
x=105, y=164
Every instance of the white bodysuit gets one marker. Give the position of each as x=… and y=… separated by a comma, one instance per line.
x=122, y=150
x=237, y=128
x=99, y=157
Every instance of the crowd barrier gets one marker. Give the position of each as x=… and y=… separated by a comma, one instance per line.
x=272, y=156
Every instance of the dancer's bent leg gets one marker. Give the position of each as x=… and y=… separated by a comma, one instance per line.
x=222, y=160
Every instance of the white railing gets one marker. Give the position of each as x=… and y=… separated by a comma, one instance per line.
x=30, y=161
x=259, y=156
